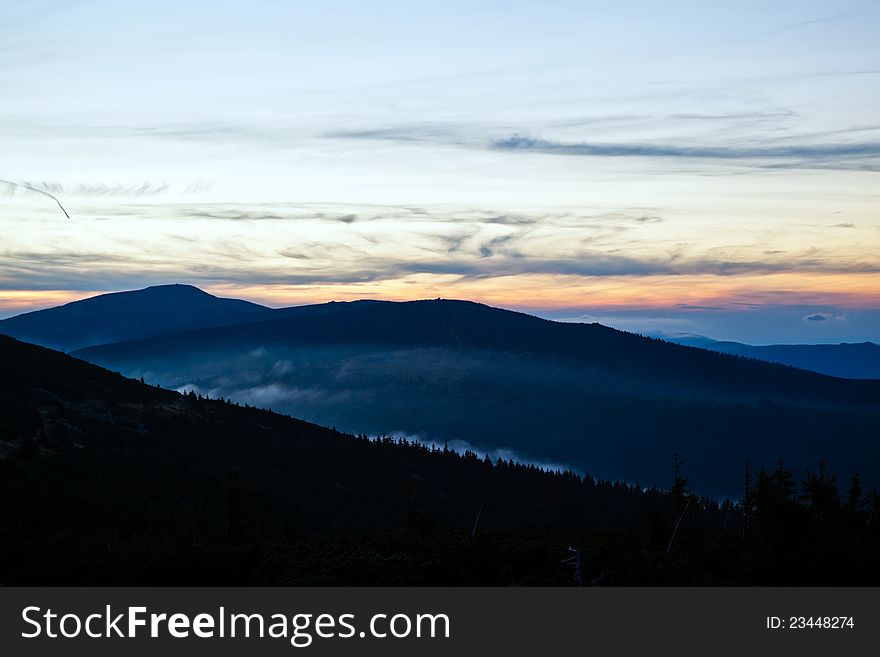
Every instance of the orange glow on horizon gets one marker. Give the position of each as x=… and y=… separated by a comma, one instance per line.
x=539, y=292
x=552, y=292
x=19, y=301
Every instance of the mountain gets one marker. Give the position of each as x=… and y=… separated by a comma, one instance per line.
x=105, y=479
x=108, y=481
x=583, y=395
x=848, y=360
x=128, y=316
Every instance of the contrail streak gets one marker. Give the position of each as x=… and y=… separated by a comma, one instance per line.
x=38, y=191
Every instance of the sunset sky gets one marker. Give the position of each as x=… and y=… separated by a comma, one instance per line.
x=668, y=167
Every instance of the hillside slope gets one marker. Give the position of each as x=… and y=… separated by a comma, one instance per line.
x=100, y=471
x=105, y=480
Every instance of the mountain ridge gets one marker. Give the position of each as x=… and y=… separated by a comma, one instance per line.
x=158, y=310
x=455, y=323
x=587, y=395
x=853, y=360
x=118, y=316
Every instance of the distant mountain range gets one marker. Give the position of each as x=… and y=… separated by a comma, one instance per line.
x=583, y=395
x=166, y=309
x=849, y=360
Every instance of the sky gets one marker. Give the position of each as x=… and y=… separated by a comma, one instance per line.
x=675, y=167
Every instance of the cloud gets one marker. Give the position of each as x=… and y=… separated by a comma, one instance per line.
x=406, y=132
x=331, y=263
x=734, y=116
x=815, y=21
x=140, y=189
x=473, y=218
x=454, y=243
x=506, y=454
x=487, y=249
x=516, y=142
x=847, y=155
x=489, y=263
x=824, y=317
x=275, y=394
x=328, y=245
x=27, y=187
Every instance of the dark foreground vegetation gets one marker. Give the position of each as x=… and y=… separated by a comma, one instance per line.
x=104, y=480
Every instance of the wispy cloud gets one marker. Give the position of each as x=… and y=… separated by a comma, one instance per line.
x=809, y=152
x=728, y=116
x=817, y=317
x=145, y=188
x=296, y=245
x=814, y=21
x=404, y=132
x=753, y=148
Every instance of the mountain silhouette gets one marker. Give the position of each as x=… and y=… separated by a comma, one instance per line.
x=584, y=395
x=128, y=316
x=106, y=479
x=850, y=360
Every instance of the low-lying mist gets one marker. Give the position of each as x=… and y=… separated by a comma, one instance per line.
x=530, y=408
